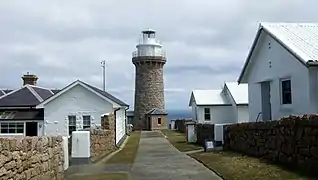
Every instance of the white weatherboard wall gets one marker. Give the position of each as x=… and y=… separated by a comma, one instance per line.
x=219, y=114
x=242, y=114
x=77, y=101
x=283, y=65
x=120, y=124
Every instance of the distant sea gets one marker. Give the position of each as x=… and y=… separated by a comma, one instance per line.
x=178, y=114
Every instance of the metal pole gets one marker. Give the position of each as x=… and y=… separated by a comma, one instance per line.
x=104, y=74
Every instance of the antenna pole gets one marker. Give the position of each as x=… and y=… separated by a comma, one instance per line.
x=103, y=63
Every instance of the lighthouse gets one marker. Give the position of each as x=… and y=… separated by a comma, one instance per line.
x=149, y=60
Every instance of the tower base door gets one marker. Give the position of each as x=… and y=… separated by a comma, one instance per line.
x=149, y=124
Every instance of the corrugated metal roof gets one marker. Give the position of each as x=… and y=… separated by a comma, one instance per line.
x=156, y=111
x=300, y=38
x=21, y=97
x=106, y=94
x=42, y=92
x=239, y=92
x=209, y=97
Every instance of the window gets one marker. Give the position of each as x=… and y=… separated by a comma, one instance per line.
x=207, y=114
x=71, y=124
x=7, y=115
x=12, y=127
x=286, y=92
x=159, y=120
x=86, y=121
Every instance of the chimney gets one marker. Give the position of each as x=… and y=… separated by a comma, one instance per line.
x=29, y=79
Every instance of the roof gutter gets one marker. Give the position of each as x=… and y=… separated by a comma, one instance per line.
x=312, y=63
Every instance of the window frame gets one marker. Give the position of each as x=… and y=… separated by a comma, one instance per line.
x=85, y=120
x=283, y=92
x=69, y=124
x=16, y=127
x=159, y=120
x=206, y=114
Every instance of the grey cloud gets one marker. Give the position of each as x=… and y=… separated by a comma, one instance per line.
x=206, y=41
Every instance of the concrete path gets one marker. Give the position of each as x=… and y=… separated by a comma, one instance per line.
x=157, y=159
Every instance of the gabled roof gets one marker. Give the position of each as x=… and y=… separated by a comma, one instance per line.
x=27, y=96
x=208, y=98
x=156, y=111
x=300, y=39
x=106, y=96
x=239, y=92
x=2, y=93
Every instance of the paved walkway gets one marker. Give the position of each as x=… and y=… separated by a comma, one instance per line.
x=157, y=159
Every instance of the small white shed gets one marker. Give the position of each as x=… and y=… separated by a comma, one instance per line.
x=226, y=105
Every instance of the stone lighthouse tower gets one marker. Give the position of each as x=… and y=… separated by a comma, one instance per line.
x=149, y=59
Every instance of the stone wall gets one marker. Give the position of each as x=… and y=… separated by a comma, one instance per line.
x=108, y=121
x=149, y=88
x=102, y=143
x=154, y=122
x=31, y=158
x=204, y=131
x=103, y=140
x=291, y=141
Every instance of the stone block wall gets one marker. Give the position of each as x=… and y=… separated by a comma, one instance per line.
x=31, y=158
x=204, y=131
x=149, y=88
x=102, y=143
x=108, y=121
x=103, y=140
x=154, y=122
x=291, y=141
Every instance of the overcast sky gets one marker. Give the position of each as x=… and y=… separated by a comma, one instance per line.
x=206, y=40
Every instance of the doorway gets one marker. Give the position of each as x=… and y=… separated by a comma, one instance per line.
x=149, y=123
x=266, y=100
x=31, y=128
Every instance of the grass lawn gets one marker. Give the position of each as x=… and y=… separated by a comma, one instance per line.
x=178, y=140
x=106, y=176
x=233, y=166
x=128, y=153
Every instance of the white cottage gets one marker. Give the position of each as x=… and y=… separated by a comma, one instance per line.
x=80, y=106
x=281, y=71
x=227, y=105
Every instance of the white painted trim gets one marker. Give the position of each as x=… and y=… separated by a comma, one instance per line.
x=281, y=92
x=38, y=97
x=70, y=86
x=2, y=92
x=42, y=88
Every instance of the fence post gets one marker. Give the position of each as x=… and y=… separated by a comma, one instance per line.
x=190, y=132
x=66, y=153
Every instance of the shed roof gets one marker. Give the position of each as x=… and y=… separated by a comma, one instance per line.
x=239, y=92
x=300, y=39
x=208, y=97
x=156, y=111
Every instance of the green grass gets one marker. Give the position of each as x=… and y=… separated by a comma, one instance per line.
x=104, y=176
x=128, y=153
x=233, y=166
x=178, y=140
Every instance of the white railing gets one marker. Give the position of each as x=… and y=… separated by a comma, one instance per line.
x=148, y=41
x=148, y=53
